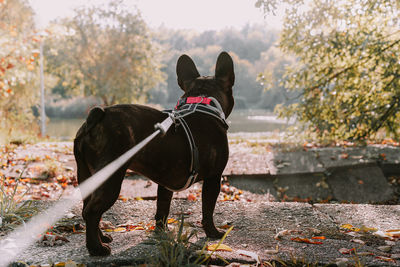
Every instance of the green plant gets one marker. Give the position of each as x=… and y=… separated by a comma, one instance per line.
x=204, y=257
x=13, y=210
x=357, y=260
x=52, y=168
x=175, y=249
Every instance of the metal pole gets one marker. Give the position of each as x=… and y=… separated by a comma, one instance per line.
x=42, y=107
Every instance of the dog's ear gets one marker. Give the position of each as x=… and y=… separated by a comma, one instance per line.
x=186, y=71
x=224, y=69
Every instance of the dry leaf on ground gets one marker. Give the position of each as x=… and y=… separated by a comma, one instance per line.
x=306, y=240
x=216, y=247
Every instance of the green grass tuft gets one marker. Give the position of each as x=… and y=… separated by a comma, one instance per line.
x=13, y=209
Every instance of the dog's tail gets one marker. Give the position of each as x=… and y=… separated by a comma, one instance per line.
x=96, y=114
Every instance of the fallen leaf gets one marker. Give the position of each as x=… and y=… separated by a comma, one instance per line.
x=347, y=250
x=350, y=227
x=250, y=254
x=358, y=241
x=131, y=227
x=220, y=247
x=70, y=263
x=393, y=233
x=225, y=225
x=124, y=199
x=393, y=230
x=191, y=197
x=385, y=235
x=387, y=259
x=385, y=248
x=319, y=237
x=51, y=240
x=368, y=229
x=172, y=220
x=272, y=251
x=283, y=233
x=365, y=253
x=119, y=229
x=305, y=240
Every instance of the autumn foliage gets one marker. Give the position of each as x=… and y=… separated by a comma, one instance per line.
x=18, y=61
x=347, y=74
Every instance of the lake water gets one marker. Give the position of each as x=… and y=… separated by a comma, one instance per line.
x=239, y=121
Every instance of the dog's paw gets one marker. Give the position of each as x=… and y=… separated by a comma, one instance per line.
x=106, y=238
x=102, y=250
x=161, y=227
x=214, y=234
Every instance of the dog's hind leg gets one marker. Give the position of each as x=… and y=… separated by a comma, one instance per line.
x=83, y=173
x=94, y=207
x=210, y=192
x=164, y=197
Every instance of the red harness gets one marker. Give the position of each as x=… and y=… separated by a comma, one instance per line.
x=193, y=100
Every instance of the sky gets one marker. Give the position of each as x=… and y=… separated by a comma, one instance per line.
x=178, y=14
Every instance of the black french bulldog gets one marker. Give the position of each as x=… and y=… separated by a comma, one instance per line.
x=109, y=132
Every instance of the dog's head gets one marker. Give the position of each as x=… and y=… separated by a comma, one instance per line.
x=218, y=86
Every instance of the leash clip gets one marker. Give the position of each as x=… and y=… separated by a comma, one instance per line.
x=164, y=125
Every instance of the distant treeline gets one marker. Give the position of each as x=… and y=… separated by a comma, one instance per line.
x=254, y=52
x=253, y=48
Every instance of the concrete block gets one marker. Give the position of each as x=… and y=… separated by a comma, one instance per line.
x=293, y=163
x=360, y=184
x=259, y=184
x=336, y=157
x=303, y=186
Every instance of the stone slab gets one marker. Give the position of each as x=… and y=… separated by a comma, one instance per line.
x=259, y=184
x=303, y=187
x=293, y=163
x=343, y=157
x=360, y=184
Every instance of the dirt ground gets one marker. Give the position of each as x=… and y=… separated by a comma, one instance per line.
x=264, y=230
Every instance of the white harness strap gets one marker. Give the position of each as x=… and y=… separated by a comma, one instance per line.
x=178, y=115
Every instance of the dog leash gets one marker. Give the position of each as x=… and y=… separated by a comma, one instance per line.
x=25, y=235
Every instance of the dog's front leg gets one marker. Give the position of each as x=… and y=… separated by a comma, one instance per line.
x=164, y=197
x=210, y=192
